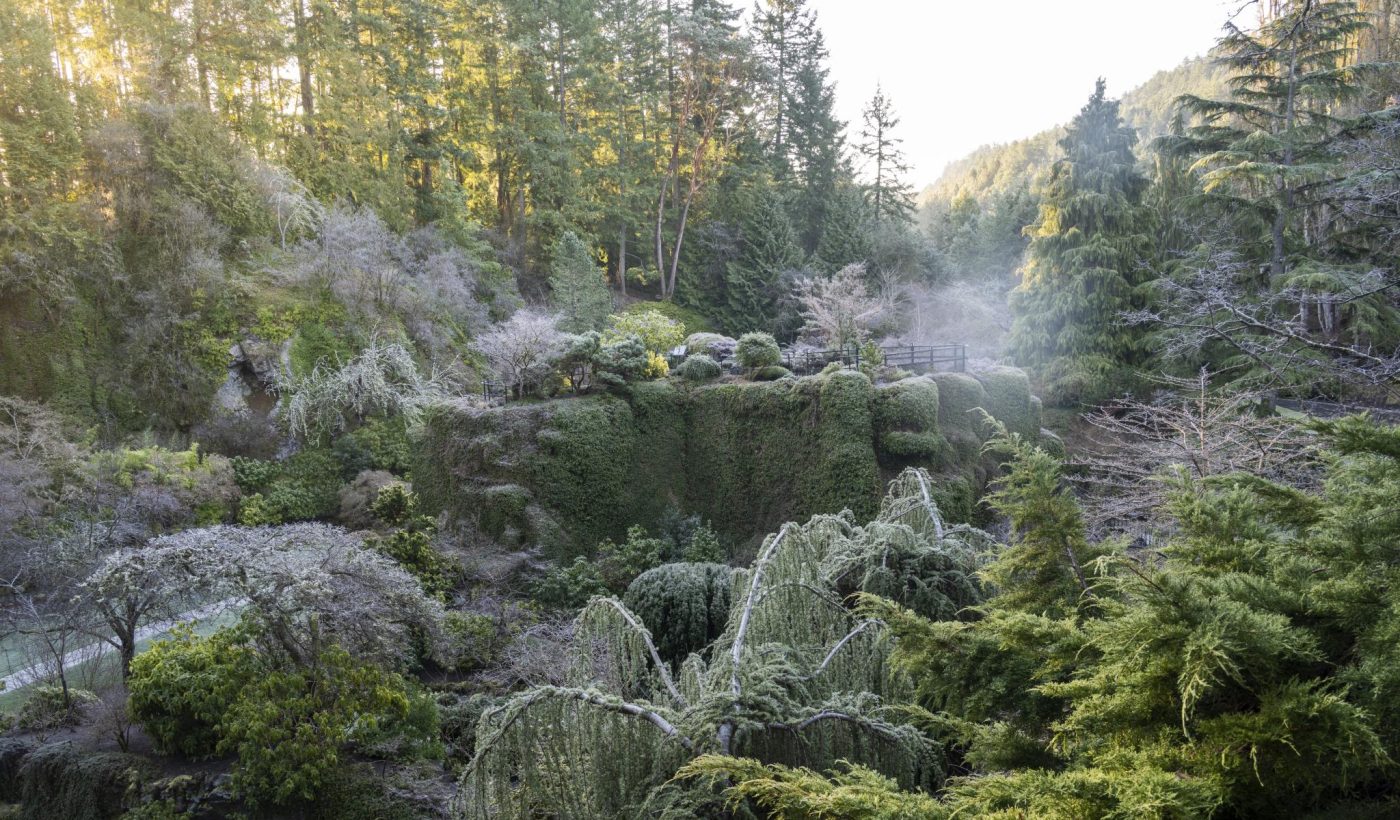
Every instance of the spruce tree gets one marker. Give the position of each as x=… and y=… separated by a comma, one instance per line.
x=767, y=248
x=1084, y=263
x=579, y=291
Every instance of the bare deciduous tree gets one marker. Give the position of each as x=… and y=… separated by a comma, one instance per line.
x=519, y=350
x=840, y=310
x=1187, y=427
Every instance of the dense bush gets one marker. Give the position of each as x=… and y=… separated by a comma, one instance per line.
x=685, y=605
x=699, y=367
x=771, y=373
x=287, y=724
x=757, y=350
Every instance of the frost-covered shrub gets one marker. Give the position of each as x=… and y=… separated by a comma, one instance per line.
x=686, y=606
x=756, y=350
x=698, y=367
x=357, y=498
x=622, y=361
x=520, y=350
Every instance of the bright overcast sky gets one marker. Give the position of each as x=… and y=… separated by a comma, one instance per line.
x=963, y=73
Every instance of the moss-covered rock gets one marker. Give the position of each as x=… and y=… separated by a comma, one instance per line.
x=60, y=780
x=745, y=456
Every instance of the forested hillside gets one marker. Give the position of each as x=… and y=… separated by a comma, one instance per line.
x=435, y=409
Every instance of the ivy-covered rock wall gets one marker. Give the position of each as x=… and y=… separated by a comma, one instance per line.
x=746, y=456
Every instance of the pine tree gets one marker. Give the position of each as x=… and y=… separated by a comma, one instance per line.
x=767, y=249
x=1084, y=265
x=890, y=197
x=579, y=291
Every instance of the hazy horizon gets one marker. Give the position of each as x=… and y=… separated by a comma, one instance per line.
x=921, y=63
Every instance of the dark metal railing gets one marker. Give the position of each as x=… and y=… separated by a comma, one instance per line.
x=953, y=356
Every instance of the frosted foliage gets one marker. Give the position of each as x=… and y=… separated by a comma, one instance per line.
x=304, y=584
x=520, y=349
x=797, y=677
x=383, y=379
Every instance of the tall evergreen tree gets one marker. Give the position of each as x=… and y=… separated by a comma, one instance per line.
x=1084, y=265
x=767, y=249
x=816, y=144
x=891, y=198
x=786, y=39
x=845, y=231
x=1269, y=152
x=579, y=291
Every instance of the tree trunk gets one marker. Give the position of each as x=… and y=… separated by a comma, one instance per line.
x=303, y=49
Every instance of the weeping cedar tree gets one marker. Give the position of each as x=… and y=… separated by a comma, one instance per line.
x=1249, y=664
x=1085, y=263
x=795, y=678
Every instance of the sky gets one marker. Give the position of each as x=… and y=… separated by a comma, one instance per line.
x=964, y=73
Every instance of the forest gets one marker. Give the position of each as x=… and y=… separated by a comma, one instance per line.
x=447, y=409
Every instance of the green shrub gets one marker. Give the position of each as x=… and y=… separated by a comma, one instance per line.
x=1009, y=399
x=771, y=373
x=378, y=444
x=47, y=707
x=622, y=361
x=756, y=350
x=252, y=474
x=471, y=640
x=657, y=332
x=699, y=367
x=289, y=727
x=305, y=487
x=906, y=418
x=691, y=319
x=618, y=564
x=686, y=606
x=569, y=587
x=182, y=686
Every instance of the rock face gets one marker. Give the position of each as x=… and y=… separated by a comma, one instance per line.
x=255, y=368
x=747, y=457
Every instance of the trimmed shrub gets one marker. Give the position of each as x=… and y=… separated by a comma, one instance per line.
x=1009, y=399
x=699, y=367
x=182, y=686
x=757, y=350
x=702, y=342
x=771, y=373
x=686, y=606
x=906, y=420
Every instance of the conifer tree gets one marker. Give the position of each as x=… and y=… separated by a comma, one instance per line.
x=890, y=197
x=845, y=232
x=816, y=143
x=579, y=291
x=1084, y=265
x=767, y=249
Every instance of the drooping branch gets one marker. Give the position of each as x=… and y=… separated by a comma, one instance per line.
x=726, y=729
x=861, y=627
x=644, y=635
